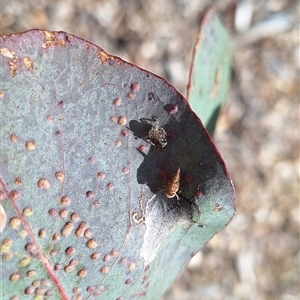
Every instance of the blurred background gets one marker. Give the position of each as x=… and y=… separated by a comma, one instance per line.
x=257, y=255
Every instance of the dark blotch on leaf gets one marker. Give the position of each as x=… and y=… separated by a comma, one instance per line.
x=153, y=97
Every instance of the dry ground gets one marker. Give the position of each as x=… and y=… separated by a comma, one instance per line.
x=257, y=255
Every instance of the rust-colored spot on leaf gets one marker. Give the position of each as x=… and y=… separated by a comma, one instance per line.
x=31, y=273
x=36, y=283
x=60, y=176
x=96, y=203
x=31, y=249
x=79, y=232
x=24, y=261
x=60, y=42
x=67, y=229
x=49, y=36
x=51, y=39
x=125, y=170
x=18, y=181
x=90, y=194
x=122, y=120
x=82, y=273
x=95, y=256
x=91, y=289
x=113, y=119
x=124, y=132
x=13, y=67
x=91, y=160
x=7, y=256
x=131, y=95
x=118, y=143
x=104, y=270
x=131, y=266
x=43, y=184
x=68, y=268
x=45, y=282
x=13, y=138
x=61, y=104
x=42, y=233
x=6, y=244
x=88, y=233
x=29, y=290
x=172, y=109
x=73, y=262
x=39, y=292
x=56, y=237
x=135, y=86
x=76, y=290
x=123, y=261
x=70, y=251
x=14, y=195
x=74, y=217
x=49, y=119
x=106, y=257
x=118, y=102
x=14, y=277
x=23, y=234
x=64, y=213
x=105, y=57
x=48, y=294
x=142, y=148
x=14, y=222
x=100, y=175
x=27, y=211
x=28, y=63
x=52, y=212
x=110, y=186
x=65, y=201
x=114, y=253
x=92, y=244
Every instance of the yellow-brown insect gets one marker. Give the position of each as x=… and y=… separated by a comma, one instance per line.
x=173, y=184
x=135, y=214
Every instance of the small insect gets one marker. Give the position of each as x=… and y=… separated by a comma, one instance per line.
x=135, y=214
x=156, y=136
x=217, y=207
x=173, y=184
x=136, y=219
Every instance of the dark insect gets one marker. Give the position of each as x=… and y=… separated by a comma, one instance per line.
x=156, y=136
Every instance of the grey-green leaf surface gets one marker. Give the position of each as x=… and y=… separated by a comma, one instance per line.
x=210, y=70
x=83, y=188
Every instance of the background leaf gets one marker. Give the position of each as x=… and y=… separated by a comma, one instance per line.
x=75, y=168
x=210, y=70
